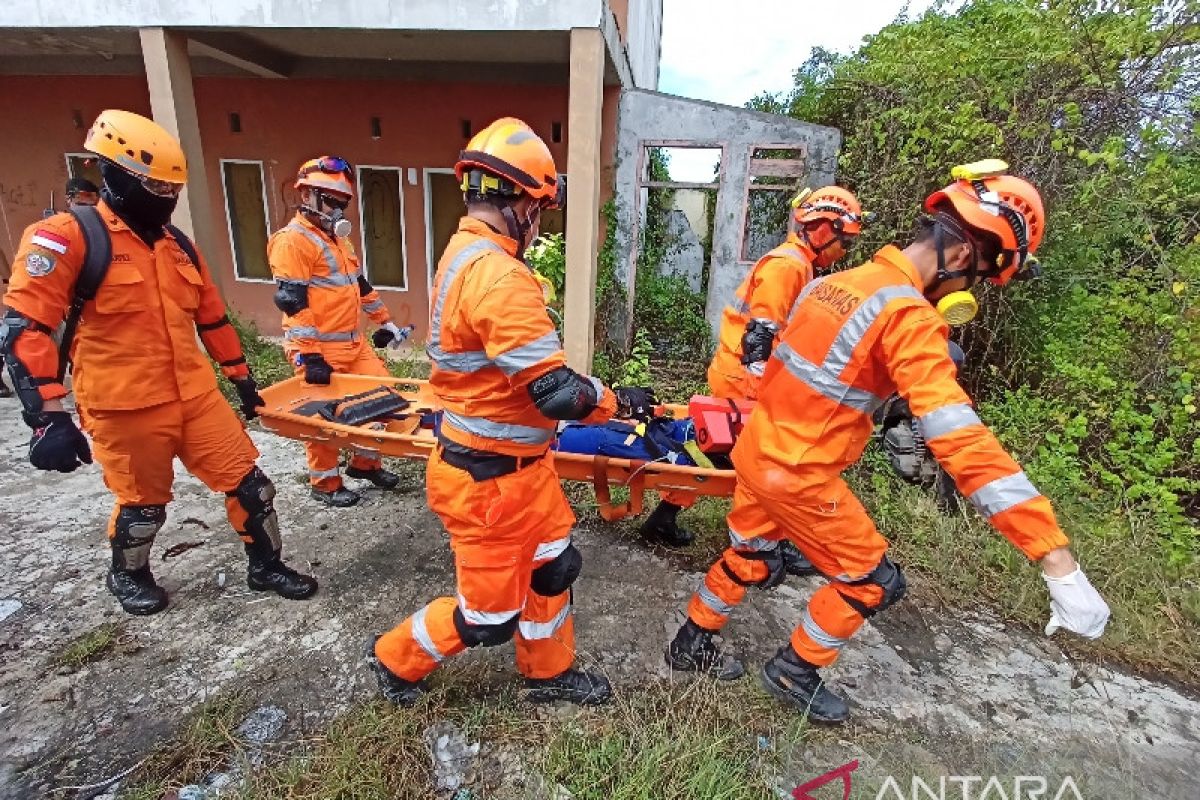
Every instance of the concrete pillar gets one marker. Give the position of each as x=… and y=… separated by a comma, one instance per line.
x=173, y=104
x=584, y=110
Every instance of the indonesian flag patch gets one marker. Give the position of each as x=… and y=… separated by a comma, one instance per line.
x=50, y=240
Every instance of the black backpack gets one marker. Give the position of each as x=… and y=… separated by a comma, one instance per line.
x=96, y=258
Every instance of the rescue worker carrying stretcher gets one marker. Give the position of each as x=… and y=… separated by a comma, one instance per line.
x=857, y=337
x=321, y=288
x=500, y=374
x=145, y=393
x=823, y=225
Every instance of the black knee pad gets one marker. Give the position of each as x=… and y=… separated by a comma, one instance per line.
x=484, y=635
x=556, y=576
x=138, y=525
x=776, y=567
x=256, y=495
x=888, y=577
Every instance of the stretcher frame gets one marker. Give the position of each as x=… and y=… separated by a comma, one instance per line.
x=404, y=438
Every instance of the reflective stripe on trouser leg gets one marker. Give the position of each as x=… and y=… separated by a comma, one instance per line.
x=415, y=647
x=323, y=463
x=362, y=458
x=719, y=594
x=829, y=621
x=545, y=638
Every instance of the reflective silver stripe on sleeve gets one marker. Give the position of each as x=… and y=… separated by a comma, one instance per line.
x=485, y=617
x=825, y=383
x=373, y=306
x=421, y=633
x=855, y=328
x=527, y=355
x=339, y=336
x=326, y=252
x=818, y=634
x=466, y=361
x=544, y=630
x=947, y=419
x=301, y=333
x=757, y=543
x=503, y=431
x=1003, y=493
x=712, y=601
x=554, y=549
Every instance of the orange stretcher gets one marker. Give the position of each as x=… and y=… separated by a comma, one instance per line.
x=294, y=407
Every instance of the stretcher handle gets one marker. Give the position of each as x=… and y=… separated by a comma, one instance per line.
x=637, y=490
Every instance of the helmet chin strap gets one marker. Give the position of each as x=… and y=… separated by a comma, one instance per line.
x=942, y=223
x=517, y=230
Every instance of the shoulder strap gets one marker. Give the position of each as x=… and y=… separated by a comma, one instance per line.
x=185, y=244
x=97, y=256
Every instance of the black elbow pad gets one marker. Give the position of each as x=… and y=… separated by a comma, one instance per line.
x=291, y=297
x=564, y=394
x=758, y=340
x=364, y=286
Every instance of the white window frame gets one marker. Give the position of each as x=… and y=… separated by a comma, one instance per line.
x=362, y=228
x=68, y=156
x=229, y=217
x=430, y=262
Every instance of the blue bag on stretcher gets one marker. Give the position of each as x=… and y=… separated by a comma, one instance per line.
x=659, y=440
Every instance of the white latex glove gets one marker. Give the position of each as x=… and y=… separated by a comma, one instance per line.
x=400, y=334
x=1075, y=605
x=757, y=368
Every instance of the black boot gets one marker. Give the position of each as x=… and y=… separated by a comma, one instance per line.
x=394, y=689
x=662, y=526
x=136, y=590
x=379, y=476
x=270, y=574
x=795, y=562
x=692, y=650
x=340, y=497
x=129, y=578
x=574, y=686
x=792, y=679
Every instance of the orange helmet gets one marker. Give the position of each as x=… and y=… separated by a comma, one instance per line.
x=508, y=159
x=137, y=144
x=330, y=173
x=831, y=203
x=1004, y=209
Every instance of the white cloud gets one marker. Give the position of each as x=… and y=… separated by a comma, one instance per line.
x=729, y=52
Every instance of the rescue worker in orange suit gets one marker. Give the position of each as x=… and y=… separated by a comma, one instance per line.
x=824, y=223
x=500, y=374
x=856, y=337
x=321, y=289
x=145, y=392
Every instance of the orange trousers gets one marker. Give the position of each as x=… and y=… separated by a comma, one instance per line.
x=136, y=449
x=500, y=531
x=832, y=529
x=355, y=358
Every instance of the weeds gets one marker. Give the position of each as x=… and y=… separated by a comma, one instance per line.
x=89, y=647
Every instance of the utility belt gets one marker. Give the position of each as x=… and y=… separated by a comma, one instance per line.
x=482, y=465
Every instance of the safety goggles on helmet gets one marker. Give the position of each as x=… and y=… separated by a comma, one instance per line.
x=330, y=165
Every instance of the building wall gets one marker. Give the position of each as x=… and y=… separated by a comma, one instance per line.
x=282, y=124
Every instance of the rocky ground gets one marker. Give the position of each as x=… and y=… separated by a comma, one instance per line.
x=939, y=686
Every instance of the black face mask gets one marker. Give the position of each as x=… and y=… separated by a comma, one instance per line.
x=142, y=211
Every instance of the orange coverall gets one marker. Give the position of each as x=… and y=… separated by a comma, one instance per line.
x=303, y=253
x=768, y=292
x=490, y=336
x=856, y=338
x=145, y=392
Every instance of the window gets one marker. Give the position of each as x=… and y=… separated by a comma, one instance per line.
x=381, y=207
x=246, y=213
x=776, y=174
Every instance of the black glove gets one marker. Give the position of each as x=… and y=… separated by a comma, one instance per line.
x=758, y=340
x=57, y=444
x=635, y=402
x=316, y=369
x=247, y=391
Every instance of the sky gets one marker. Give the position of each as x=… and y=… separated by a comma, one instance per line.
x=728, y=52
